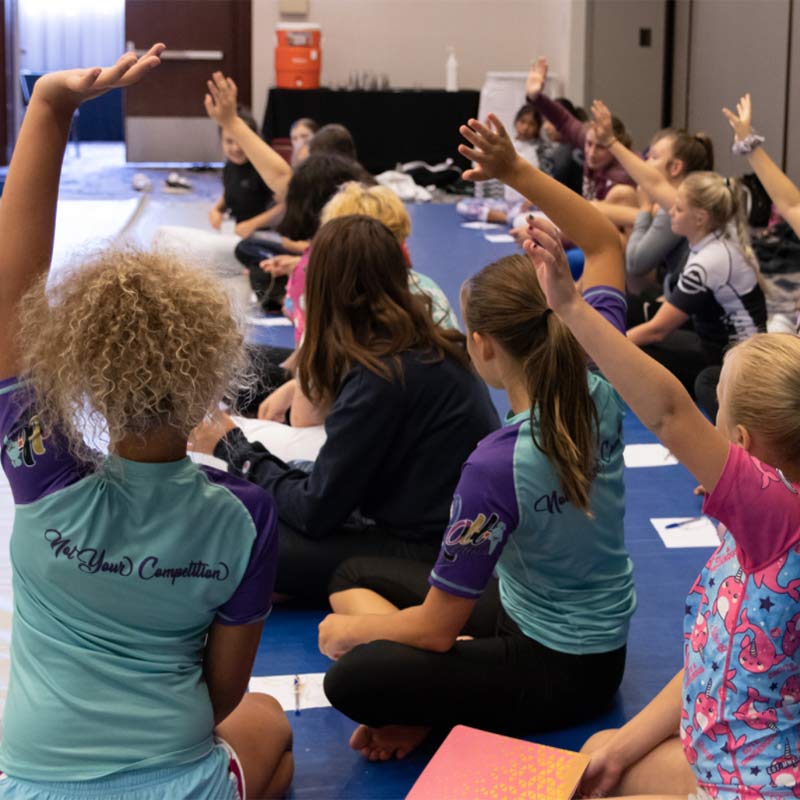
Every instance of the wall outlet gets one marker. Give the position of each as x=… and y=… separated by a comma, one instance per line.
x=293, y=6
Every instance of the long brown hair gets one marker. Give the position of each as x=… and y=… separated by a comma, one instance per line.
x=360, y=309
x=504, y=301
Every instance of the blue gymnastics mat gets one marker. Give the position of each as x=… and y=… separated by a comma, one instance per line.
x=326, y=768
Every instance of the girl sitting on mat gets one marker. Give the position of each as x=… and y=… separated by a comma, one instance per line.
x=673, y=155
x=540, y=501
x=527, y=142
x=734, y=709
x=141, y=581
x=405, y=411
x=381, y=203
x=718, y=287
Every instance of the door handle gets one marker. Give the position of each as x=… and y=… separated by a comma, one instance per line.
x=183, y=55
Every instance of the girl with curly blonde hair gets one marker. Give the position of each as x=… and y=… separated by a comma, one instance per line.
x=141, y=580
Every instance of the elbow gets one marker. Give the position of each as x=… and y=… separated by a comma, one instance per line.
x=438, y=642
x=635, y=265
x=224, y=701
x=676, y=406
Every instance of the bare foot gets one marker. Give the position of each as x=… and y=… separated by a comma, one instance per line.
x=381, y=744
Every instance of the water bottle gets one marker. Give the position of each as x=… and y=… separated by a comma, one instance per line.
x=451, y=71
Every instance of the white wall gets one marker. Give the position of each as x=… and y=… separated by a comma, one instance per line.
x=408, y=39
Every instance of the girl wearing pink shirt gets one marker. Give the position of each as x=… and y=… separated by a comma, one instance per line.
x=727, y=725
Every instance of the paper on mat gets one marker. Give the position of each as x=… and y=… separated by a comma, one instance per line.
x=268, y=322
x=648, y=455
x=498, y=238
x=477, y=225
x=698, y=533
x=281, y=687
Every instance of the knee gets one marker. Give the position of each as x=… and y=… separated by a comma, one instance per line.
x=621, y=194
x=597, y=740
x=353, y=682
x=349, y=575
x=271, y=717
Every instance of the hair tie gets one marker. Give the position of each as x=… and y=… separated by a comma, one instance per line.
x=727, y=183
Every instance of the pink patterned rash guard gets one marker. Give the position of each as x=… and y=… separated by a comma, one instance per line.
x=741, y=689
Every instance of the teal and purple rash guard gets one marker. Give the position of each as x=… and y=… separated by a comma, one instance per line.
x=117, y=577
x=565, y=578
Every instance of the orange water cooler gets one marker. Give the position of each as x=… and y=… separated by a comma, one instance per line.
x=298, y=55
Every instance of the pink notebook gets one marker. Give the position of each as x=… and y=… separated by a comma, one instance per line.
x=473, y=764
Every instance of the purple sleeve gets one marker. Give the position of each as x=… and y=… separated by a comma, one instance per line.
x=36, y=463
x=572, y=129
x=483, y=515
x=252, y=599
x=609, y=303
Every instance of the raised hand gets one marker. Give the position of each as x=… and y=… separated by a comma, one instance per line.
x=741, y=121
x=67, y=89
x=536, y=78
x=220, y=102
x=492, y=149
x=602, y=122
x=550, y=261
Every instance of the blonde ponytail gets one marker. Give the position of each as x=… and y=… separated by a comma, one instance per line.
x=723, y=199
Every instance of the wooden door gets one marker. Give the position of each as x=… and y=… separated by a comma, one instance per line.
x=164, y=116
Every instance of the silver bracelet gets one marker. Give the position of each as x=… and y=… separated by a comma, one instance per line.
x=748, y=144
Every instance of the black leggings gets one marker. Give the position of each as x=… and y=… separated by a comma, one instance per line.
x=685, y=355
x=306, y=565
x=502, y=680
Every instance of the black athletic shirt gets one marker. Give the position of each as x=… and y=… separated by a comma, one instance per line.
x=719, y=290
x=246, y=195
x=394, y=451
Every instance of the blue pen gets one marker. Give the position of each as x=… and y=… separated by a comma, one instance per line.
x=298, y=685
x=685, y=522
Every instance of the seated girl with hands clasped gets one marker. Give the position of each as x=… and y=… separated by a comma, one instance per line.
x=141, y=580
x=727, y=725
x=540, y=501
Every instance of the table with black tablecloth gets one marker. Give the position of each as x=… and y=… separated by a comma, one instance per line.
x=389, y=127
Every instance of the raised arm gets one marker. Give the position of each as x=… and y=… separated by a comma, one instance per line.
x=492, y=150
x=220, y=103
x=647, y=176
x=28, y=209
x=654, y=394
x=572, y=129
x=781, y=190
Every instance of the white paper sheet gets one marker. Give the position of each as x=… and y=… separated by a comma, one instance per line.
x=282, y=688
x=648, y=455
x=696, y=532
x=268, y=322
x=499, y=238
x=477, y=225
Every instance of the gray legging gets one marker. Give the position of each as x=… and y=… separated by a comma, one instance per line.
x=502, y=680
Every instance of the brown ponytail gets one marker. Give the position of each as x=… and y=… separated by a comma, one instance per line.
x=504, y=300
x=696, y=151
